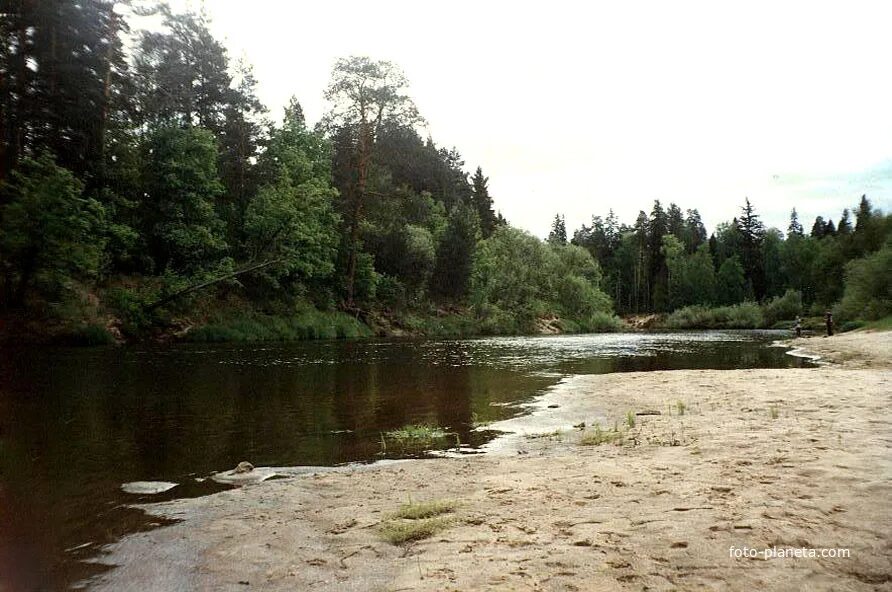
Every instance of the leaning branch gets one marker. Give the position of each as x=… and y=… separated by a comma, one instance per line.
x=211, y=282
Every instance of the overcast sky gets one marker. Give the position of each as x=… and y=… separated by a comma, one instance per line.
x=576, y=107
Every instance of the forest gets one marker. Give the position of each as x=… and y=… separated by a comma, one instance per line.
x=146, y=192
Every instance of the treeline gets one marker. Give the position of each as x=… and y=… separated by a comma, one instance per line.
x=143, y=184
x=666, y=261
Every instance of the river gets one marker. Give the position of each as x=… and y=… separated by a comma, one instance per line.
x=75, y=424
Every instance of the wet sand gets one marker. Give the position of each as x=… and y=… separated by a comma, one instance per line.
x=798, y=458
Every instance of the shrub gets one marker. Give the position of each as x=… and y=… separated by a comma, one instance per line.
x=783, y=308
x=868, y=287
x=747, y=315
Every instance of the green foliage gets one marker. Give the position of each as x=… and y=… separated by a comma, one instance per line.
x=783, y=308
x=517, y=278
x=730, y=282
x=49, y=232
x=868, y=288
x=511, y=273
x=180, y=179
x=308, y=324
x=739, y=316
x=455, y=253
x=292, y=217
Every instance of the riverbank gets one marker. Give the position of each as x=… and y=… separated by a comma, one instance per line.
x=755, y=458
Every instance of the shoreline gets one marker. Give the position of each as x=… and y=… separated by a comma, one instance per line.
x=661, y=510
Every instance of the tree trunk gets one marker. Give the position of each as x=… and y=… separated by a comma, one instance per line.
x=364, y=149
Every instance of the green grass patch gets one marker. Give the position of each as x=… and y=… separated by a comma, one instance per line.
x=303, y=325
x=402, y=532
x=599, y=436
x=416, y=433
x=416, y=521
x=422, y=510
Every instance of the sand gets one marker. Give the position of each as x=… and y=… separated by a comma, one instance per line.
x=798, y=458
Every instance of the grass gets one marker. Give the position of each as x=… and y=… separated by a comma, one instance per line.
x=416, y=521
x=883, y=324
x=773, y=412
x=303, y=325
x=416, y=434
x=681, y=407
x=400, y=533
x=599, y=436
x=630, y=419
x=422, y=510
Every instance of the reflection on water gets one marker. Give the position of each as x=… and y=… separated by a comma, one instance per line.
x=76, y=424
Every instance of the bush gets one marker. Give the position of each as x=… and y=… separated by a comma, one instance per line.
x=868, y=288
x=783, y=308
x=747, y=315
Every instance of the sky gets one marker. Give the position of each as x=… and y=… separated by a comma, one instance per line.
x=579, y=107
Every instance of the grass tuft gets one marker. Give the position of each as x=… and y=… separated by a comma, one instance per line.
x=599, y=436
x=421, y=510
x=416, y=434
x=401, y=532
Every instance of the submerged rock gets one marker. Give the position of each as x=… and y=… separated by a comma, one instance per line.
x=147, y=487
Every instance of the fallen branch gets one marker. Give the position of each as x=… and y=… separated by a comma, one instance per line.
x=208, y=283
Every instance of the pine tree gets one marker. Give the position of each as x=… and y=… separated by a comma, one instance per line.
x=558, y=234
x=483, y=203
x=795, y=228
x=845, y=226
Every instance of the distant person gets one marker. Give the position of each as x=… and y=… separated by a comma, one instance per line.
x=828, y=320
x=798, y=327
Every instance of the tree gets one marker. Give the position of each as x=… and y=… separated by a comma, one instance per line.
x=183, y=74
x=868, y=287
x=455, y=253
x=795, y=228
x=180, y=179
x=63, y=80
x=292, y=218
x=240, y=141
x=483, y=203
x=730, y=282
x=365, y=95
x=819, y=228
x=752, y=232
x=49, y=232
x=558, y=234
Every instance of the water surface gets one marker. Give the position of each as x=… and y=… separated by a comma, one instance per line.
x=77, y=423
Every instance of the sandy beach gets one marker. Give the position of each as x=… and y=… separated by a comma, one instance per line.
x=715, y=461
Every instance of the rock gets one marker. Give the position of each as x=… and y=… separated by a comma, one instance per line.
x=236, y=477
x=147, y=487
x=243, y=467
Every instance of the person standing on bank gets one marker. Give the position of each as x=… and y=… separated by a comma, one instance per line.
x=797, y=326
x=828, y=319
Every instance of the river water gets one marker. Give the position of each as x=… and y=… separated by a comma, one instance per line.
x=75, y=424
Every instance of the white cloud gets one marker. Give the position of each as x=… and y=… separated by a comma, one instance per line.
x=577, y=107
